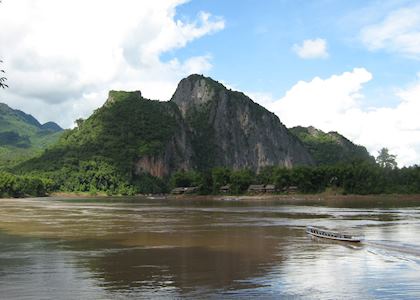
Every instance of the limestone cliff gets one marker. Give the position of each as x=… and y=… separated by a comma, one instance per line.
x=228, y=129
x=176, y=154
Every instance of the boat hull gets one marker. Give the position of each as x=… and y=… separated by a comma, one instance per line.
x=332, y=235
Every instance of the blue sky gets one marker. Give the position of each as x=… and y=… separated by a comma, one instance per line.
x=254, y=51
x=346, y=66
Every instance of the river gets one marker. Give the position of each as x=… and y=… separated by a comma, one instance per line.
x=119, y=248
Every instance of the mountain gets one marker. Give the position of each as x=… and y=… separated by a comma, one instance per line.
x=51, y=126
x=204, y=125
x=330, y=148
x=22, y=136
x=229, y=129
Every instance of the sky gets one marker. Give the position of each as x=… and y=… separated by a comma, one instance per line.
x=346, y=66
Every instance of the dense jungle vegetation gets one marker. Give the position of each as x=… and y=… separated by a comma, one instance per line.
x=99, y=176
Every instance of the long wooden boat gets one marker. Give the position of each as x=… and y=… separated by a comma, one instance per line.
x=334, y=235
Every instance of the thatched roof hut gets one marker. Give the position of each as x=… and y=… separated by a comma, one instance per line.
x=225, y=189
x=256, y=188
x=178, y=190
x=185, y=190
x=291, y=189
x=270, y=188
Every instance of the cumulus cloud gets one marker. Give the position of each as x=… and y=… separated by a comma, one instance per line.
x=310, y=49
x=336, y=104
x=398, y=32
x=321, y=100
x=62, y=57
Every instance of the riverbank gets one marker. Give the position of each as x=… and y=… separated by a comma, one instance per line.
x=282, y=198
x=298, y=197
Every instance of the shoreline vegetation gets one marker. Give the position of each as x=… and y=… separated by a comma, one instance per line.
x=353, y=179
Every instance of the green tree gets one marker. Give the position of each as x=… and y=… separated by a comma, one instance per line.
x=281, y=177
x=220, y=177
x=240, y=180
x=186, y=179
x=386, y=160
x=79, y=122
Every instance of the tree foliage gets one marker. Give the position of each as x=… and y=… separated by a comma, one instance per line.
x=110, y=142
x=22, y=136
x=330, y=148
x=356, y=178
x=386, y=160
x=97, y=175
x=22, y=186
x=186, y=179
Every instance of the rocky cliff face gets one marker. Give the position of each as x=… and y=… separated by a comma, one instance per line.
x=176, y=154
x=228, y=129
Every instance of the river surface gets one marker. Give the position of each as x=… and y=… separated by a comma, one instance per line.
x=142, y=248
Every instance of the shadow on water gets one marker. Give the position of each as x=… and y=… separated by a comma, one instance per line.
x=217, y=260
x=227, y=260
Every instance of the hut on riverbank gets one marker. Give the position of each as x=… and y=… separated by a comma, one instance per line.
x=256, y=189
x=225, y=189
x=270, y=188
x=185, y=190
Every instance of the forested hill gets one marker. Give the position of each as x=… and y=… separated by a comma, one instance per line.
x=205, y=125
x=22, y=136
x=206, y=136
x=330, y=148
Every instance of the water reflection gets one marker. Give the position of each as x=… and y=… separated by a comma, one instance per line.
x=142, y=248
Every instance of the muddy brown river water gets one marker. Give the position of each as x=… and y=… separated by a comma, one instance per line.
x=119, y=248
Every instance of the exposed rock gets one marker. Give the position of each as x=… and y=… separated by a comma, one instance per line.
x=176, y=156
x=229, y=129
x=193, y=91
x=113, y=96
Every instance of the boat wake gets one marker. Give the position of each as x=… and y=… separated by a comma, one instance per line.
x=394, y=247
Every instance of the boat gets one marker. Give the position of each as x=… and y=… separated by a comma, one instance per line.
x=333, y=235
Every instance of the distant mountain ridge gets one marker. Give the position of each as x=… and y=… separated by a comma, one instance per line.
x=22, y=136
x=330, y=148
x=27, y=118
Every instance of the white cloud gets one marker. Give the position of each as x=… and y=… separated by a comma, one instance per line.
x=311, y=49
x=399, y=32
x=319, y=100
x=62, y=57
x=336, y=104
